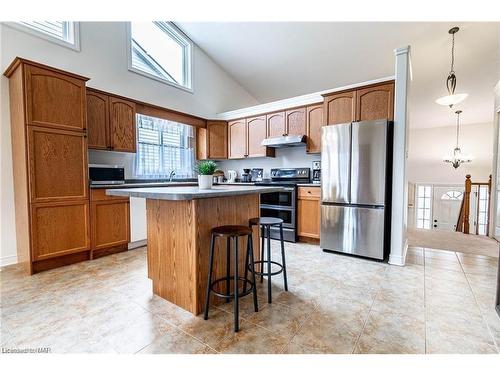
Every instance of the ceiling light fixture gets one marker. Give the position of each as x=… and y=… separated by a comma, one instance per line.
x=457, y=159
x=451, y=82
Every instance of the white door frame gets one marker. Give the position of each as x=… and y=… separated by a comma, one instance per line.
x=495, y=175
x=434, y=198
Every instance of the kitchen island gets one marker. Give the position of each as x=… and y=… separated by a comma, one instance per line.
x=179, y=220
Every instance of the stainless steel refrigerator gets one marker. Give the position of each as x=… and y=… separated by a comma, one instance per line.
x=356, y=171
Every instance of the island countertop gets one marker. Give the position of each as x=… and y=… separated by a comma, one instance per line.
x=183, y=193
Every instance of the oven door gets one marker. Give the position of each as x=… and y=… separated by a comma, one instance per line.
x=287, y=215
x=281, y=199
x=281, y=205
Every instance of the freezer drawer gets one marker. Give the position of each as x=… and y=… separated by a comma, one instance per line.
x=368, y=158
x=353, y=230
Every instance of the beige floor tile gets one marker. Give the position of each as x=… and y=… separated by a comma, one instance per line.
x=452, y=344
x=372, y=345
x=415, y=250
x=414, y=259
x=252, y=339
x=280, y=319
x=453, y=324
x=219, y=325
x=485, y=270
x=106, y=306
x=411, y=304
x=408, y=331
x=440, y=254
x=298, y=299
x=176, y=342
x=334, y=328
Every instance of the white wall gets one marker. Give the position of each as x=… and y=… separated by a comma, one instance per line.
x=428, y=147
x=103, y=58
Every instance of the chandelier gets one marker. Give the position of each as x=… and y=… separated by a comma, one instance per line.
x=458, y=158
x=451, y=82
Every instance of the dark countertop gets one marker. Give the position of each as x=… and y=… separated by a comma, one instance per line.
x=310, y=184
x=145, y=183
x=179, y=193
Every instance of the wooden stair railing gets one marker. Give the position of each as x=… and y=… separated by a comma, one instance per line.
x=460, y=222
x=463, y=222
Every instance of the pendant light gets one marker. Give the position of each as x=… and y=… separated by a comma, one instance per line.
x=451, y=82
x=458, y=158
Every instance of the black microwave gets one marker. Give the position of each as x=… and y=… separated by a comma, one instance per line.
x=103, y=174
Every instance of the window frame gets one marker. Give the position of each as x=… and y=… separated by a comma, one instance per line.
x=161, y=150
x=417, y=206
x=75, y=46
x=173, y=31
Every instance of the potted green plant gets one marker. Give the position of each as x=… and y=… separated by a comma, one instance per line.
x=205, y=170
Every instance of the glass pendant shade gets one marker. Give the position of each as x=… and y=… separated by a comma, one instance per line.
x=451, y=100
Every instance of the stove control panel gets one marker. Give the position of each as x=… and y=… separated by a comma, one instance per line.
x=290, y=173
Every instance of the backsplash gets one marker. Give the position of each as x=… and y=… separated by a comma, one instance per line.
x=293, y=157
x=285, y=158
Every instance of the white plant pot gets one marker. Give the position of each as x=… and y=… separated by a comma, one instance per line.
x=205, y=181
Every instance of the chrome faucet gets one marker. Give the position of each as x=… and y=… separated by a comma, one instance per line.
x=172, y=174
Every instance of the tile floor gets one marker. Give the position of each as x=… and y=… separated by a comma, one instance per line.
x=441, y=302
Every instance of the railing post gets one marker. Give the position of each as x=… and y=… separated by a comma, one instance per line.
x=468, y=185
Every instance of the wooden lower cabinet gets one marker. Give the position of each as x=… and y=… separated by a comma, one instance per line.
x=110, y=222
x=59, y=229
x=308, y=212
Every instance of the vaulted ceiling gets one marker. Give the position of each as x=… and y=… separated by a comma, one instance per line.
x=279, y=60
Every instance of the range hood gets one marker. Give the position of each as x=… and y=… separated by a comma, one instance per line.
x=285, y=141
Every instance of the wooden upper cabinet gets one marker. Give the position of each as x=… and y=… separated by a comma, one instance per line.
x=122, y=124
x=340, y=108
x=98, y=121
x=296, y=121
x=276, y=124
x=57, y=164
x=211, y=142
x=375, y=103
x=314, y=122
x=256, y=134
x=237, y=131
x=59, y=228
x=54, y=99
x=216, y=140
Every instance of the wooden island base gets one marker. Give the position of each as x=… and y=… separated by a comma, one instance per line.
x=179, y=242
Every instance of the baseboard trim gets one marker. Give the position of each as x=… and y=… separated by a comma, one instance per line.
x=399, y=260
x=8, y=260
x=136, y=244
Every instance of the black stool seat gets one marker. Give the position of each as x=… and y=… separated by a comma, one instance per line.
x=265, y=221
x=232, y=230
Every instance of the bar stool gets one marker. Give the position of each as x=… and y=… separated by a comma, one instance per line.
x=266, y=223
x=232, y=232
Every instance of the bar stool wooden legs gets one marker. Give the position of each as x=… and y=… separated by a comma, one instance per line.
x=232, y=232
